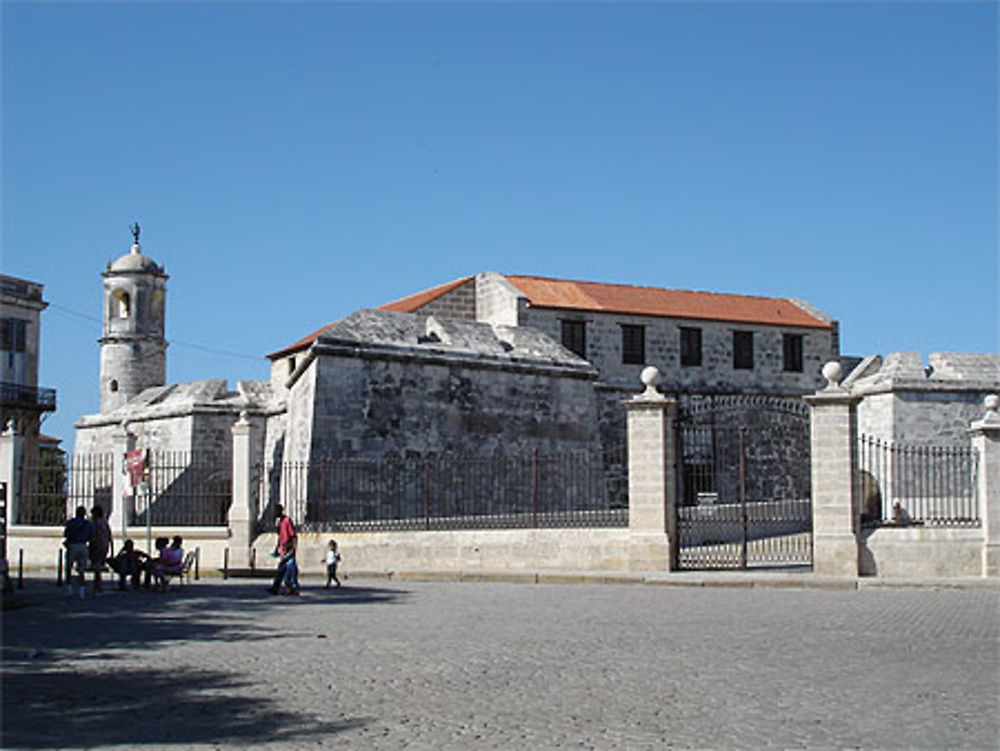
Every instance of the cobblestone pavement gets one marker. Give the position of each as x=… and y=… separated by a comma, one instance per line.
x=447, y=665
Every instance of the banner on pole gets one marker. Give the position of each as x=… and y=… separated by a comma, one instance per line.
x=135, y=468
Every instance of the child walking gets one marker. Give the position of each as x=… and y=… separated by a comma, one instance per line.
x=332, y=559
x=291, y=568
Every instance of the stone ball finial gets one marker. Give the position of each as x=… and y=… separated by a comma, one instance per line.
x=833, y=372
x=650, y=376
x=991, y=402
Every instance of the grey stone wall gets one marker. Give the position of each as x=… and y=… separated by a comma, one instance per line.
x=716, y=373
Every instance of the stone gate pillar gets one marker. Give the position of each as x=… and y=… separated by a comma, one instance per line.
x=11, y=456
x=835, y=511
x=122, y=510
x=652, y=485
x=985, y=436
x=242, y=511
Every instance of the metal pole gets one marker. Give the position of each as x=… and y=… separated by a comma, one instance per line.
x=427, y=494
x=534, y=486
x=59, y=568
x=743, y=505
x=197, y=563
x=149, y=519
x=225, y=564
x=20, y=568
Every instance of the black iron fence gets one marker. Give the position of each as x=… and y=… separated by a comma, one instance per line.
x=906, y=484
x=179, y=489
x=184, y=489
x=575, y=489
x=53, y=485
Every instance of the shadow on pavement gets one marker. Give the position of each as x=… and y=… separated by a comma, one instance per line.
x=45, y=708
x=45, y=620
x=58, y=689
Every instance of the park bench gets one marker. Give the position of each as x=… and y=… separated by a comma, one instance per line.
x=184, y=573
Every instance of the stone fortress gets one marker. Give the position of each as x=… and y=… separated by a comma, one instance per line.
x=512, y=367
x=485, y=362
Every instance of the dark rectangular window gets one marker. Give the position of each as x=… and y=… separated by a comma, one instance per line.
x=574, y=337
x=792, y=345
x=13, y=334
x=690, y=346
x=633, y=344
x=743, y=350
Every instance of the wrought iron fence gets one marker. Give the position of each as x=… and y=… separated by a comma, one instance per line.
x=52, y=486
x=581, y=489
x=906, y=484
x=184, y=489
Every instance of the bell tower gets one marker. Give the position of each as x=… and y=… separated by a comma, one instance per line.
x=133, y=347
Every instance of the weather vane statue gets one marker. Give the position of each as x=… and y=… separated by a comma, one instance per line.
x=135, y=228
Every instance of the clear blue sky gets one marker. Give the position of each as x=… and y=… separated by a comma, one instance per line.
x=291, y=163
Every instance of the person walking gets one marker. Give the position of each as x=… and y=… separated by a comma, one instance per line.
x=99, y=546
x=332, y=559
x=286, y=534
x=76, y=537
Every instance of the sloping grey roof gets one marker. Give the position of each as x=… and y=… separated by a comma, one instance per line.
x=183, y=398
x=416, y=334
x=944, y=371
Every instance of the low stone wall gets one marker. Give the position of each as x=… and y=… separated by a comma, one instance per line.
x=41, y=545
x=467, y=550
x=921, y=552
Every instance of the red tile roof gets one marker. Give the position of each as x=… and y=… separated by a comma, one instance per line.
x=564, y=294
x=419, y=300
x=300, y=344
x=667, y=303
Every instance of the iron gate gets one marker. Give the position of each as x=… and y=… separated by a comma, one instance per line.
x=744, y=476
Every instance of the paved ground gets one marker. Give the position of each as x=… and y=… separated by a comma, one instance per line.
x=446, y=665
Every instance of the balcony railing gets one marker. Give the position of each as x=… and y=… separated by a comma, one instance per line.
x=30, y=397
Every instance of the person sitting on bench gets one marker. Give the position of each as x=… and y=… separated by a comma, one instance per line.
x=128, y=563
x=169, y=563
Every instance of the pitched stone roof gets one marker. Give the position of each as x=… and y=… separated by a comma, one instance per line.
x=944, y=371
x=413, y=334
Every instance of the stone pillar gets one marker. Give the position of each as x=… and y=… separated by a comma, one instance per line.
x=243, y=511
x=11, y=457
x=122, y=500
x=985, y=436
x=835, y=510
x=652, y=485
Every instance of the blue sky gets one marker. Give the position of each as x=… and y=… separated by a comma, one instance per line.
x=290, y=163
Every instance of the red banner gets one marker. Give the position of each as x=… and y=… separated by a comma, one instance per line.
x=134, y=467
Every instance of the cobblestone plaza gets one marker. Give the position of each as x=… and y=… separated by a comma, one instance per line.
x=390, y=664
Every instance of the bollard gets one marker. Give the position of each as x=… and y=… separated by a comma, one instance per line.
x=197, y=563
x=253, y=560
x=59, y=568
x=20, y=568
x=225, y=564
